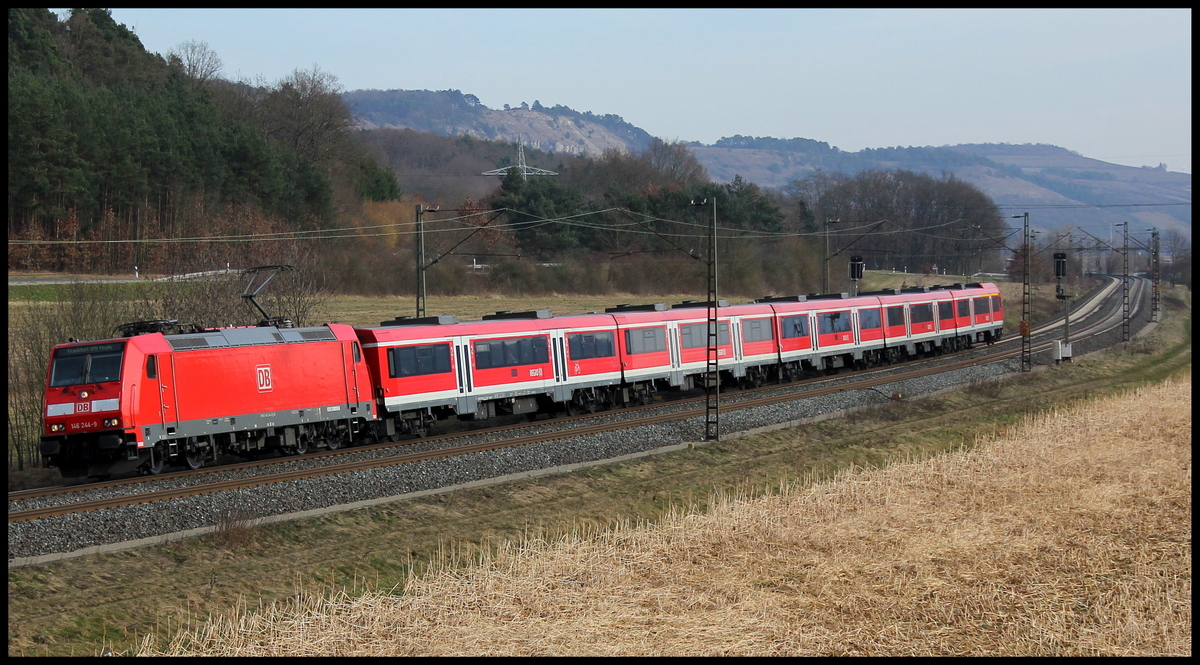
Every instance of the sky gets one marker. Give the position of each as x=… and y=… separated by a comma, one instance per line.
x=1114, y=85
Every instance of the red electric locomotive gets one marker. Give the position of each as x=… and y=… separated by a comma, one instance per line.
x=143, y=401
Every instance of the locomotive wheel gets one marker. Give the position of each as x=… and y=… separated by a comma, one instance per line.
x=333, y=443
x=301, y=446
x=194, y=459
x=156, y=463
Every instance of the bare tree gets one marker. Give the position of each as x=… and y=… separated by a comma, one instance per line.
x=673, y=163
x=306, y=113
x=200, y=63
x=1176, y=257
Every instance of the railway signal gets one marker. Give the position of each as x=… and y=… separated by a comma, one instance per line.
x=856, y=271
x=1062, y=350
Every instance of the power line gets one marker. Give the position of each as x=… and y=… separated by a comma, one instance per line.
x=535, y=221
x=1090, y=205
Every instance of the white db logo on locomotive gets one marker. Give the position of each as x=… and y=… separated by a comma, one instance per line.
x=264, y=378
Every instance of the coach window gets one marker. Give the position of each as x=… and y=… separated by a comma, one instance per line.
x=946, y=309
x=795, y=326
x=418, y=360
x=964, y=308
x=895, y=316
x=695, y=335
x=151, y=367
x=981, y=306
x=995, y=303
x=646, y=340
x=591, y=345
x=511, y=352
x=757, y=330
x=833, y=322
x=868, y=318
x=922, y=313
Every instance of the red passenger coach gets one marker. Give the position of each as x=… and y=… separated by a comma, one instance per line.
x=139, y=402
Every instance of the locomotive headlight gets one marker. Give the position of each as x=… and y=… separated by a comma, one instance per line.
x=112, y=422
x=57, y=427
x=83, y=394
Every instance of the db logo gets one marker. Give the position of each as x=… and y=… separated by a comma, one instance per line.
x=83, y=407
x=263, y=372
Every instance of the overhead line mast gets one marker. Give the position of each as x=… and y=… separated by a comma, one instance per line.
x=523, y=169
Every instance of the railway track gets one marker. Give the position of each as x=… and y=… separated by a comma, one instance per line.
x=1101, y=316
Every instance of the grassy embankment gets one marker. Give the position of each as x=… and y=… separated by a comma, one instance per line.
x=1068, y=535
x=73, y=606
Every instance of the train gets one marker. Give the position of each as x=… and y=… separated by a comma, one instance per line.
x=156, y=397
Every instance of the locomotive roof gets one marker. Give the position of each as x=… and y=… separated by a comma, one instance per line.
x=256, y=336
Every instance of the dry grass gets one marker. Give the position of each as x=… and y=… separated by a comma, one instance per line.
x=1070, y=535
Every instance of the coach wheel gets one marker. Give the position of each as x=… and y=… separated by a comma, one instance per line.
x=194, y=459
x=577, y=405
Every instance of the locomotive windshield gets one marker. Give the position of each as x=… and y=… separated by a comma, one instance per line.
x=95, y=363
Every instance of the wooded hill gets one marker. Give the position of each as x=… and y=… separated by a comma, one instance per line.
x=1017, y=177
x=108, y=142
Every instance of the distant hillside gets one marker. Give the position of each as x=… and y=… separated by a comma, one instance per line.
x=1015, y=176
x=1056, y=185
x=451, y=113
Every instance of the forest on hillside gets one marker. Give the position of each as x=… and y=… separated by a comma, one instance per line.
x=119, y=157
x=109, y=145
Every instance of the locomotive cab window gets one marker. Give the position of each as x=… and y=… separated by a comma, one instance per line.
x=757, y=330
x=357, y=353
x=794, y=326
x=646, y=340
x=833, y=322
x=418, y=360
x=96, y=363
x=868, y=319
x=695, y=335
x=591, y=345
x=511, y=352
x=151, y=367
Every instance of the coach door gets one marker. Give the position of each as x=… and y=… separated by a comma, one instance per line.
x=558, y=355
x=462, y=374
